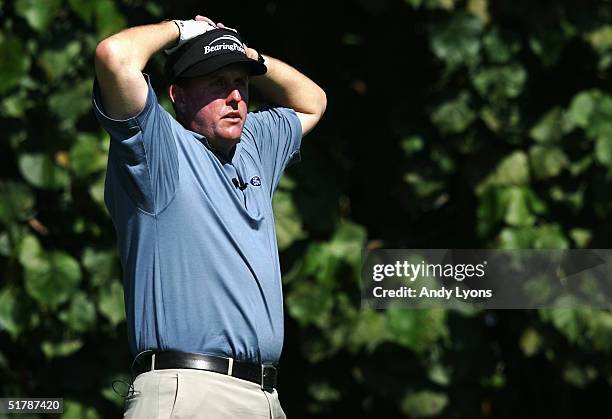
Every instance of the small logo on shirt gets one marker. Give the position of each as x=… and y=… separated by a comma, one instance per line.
x=255, y=181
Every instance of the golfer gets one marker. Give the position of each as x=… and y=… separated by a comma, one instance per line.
x=190, y=199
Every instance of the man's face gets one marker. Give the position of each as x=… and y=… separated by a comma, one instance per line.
x=216, y=105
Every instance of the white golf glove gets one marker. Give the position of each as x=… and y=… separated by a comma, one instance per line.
x=189, y=29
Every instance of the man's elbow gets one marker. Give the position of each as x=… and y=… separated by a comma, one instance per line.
x=322, y=102
x=320, y=105
x=109, y=55
x=311, y=118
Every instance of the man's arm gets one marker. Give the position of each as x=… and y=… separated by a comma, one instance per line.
x=285, y=86
x=120, y=60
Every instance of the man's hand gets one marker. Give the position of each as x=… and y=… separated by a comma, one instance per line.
x=286, y=86
x=251, y=53
x=189, y=29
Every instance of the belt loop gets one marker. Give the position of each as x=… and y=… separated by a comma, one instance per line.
x=230, y=366
x=262, y=377
x=153, y=362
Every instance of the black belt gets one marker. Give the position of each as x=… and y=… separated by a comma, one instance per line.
x=262, y=374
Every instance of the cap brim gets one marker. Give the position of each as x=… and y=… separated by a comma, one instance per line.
x=213, y=64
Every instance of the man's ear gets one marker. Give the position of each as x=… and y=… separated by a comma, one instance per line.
x=176, y=96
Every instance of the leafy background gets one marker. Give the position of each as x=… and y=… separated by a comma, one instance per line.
x=466, y=124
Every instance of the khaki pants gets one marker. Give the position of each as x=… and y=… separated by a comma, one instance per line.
x=185, y=393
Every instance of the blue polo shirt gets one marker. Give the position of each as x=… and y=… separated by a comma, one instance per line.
x=199, y=255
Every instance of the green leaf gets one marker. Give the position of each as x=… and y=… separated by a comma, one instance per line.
x=309, y=303
x=603, y=151
x=111, y=303
x=516, y=238
x=84, y=9
x=41, y=171
x=81, y=314
x=600, y=122
x=455, y=116
x=579, y=167
x=440, y=4
x=154, y=9
x=500, y=48
x=601, y=38
x=108, y=19
x=323, y=392
x=412, y=145
x=424, y=404
x=5, y=245
x=592, y=111
x=547, y=162
x=101, y=265
x=14, y=63
x=58, y=63
x=600, y=329
x=288, y=223
x=369, y=331
x=70, y=104
x=492, y=209
x=10, y=319
x=551, y=127
x=444, y=159
x=417, y=330
x=457, y=42
x=581, y=108
x=87, y=155
x=347, y=243
x=17, y=202
x=501, y=116
x=496, y=380
x=53, y=278
x=432, y=4
x=15, y=105
x=415, y=3
x=550, y=236
x=547, y=42
x=579, y=377
x=512, y=170
x=39, y=14
x=4, y=365
x=30, y=252
x=518, y=212
x=422, y=187
x=582, y=237
x=61, y=349
x=96, y=191
x=75, y=410
x=439, y=374
x=480, y=8
x=530, y=342
x=499, y=83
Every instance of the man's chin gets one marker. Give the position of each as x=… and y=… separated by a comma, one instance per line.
x=232, y=134
x=230, y=138
x=224, y=144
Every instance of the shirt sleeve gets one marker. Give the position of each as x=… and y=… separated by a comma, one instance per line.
x=143, y=153
x=277, y=135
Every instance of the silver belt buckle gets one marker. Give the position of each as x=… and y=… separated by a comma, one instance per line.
x=268, y=377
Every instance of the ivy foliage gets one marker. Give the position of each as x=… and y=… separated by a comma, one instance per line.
x=465, y=124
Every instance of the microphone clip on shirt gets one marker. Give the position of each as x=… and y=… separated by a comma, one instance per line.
x=239, y=184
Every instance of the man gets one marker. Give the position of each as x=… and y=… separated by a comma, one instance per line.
x=191, y=203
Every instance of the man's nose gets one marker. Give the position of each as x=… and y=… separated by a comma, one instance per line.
x=234, y=96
